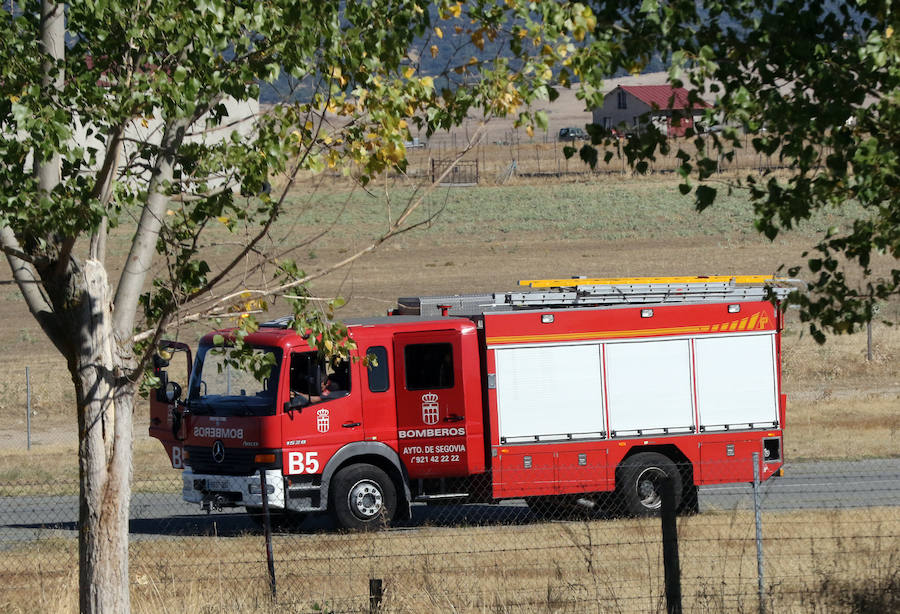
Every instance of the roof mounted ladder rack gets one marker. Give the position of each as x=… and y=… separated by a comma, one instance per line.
x=587, y=292
x=657, y=290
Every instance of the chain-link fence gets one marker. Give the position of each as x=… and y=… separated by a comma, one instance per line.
x=829, y=542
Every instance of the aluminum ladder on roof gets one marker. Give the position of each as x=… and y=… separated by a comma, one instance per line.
x=656, y=290
x=587, y=292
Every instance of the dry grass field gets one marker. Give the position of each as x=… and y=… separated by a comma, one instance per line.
x=816, y=562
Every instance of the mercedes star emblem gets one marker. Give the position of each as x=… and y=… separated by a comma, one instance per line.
x=218, y=451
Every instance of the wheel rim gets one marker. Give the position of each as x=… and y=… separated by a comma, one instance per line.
x=648, y=487
x=366, y=499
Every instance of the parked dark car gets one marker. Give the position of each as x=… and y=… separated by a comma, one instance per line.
x=572, y=134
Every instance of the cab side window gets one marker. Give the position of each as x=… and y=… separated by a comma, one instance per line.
x=429, y=366
x=315, y=380
x=379, y=375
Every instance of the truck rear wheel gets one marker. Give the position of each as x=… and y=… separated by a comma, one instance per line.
x=363, y=497
x=640, y=483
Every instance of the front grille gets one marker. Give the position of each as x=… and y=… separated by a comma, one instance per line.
x=237, y=461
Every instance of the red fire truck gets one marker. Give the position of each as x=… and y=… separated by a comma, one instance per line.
x=566, y=391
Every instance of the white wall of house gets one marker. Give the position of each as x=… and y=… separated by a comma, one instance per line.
x=620, y=109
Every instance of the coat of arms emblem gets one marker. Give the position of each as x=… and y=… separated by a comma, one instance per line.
x=430, y=408
x=322, y=422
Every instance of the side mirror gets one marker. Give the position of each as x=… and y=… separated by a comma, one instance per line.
x=296, y=404
x=172, y=391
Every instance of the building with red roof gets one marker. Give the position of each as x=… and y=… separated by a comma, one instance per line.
x=627, y=107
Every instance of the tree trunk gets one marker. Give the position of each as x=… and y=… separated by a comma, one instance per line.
x=105, y=402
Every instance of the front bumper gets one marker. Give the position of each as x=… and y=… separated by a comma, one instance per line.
x=220, y=491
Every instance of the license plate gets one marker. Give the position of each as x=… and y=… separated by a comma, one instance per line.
x=216, y=484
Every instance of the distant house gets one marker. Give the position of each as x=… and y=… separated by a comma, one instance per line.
x=624, y=106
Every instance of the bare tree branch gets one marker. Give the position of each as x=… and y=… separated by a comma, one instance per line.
x=218, y=305
x=143, y=244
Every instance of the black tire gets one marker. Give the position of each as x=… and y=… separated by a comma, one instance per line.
x=363, y=497
x=640, y=483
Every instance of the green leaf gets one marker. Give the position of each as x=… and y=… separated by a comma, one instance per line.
x=704, y=197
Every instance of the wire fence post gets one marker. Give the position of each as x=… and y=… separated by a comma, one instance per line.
x=670, y=548
x=759, y=545
x=869, y=340
x=376, y=593
x=267, y=529
x=28, y=407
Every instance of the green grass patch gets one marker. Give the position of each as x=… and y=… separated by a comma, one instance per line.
x=605, y=211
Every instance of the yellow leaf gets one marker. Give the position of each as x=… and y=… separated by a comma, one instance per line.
x=478, y=39
x=224, y=219
x=530, y=130
x=434, y=51
x=169, y=212
x=427, y=82
x=14, y=99
x=403, y=124
x=438, y=32
x=889, y=32
x=409, y=72
x=456, y=9
x=144, y=122
x=339, y=75
x=308, y=125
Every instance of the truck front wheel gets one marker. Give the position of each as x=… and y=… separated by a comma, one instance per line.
x=640, y=483
x=363, y=497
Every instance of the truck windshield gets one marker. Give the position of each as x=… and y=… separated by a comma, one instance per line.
x=219, y=389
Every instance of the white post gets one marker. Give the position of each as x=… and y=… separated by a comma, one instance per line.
x=28, y=407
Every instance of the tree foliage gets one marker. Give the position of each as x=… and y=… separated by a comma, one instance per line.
x=817, y=85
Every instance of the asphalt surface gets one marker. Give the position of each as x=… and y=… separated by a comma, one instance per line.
x=805, y=486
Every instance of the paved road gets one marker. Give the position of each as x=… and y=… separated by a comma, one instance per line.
x=818, y=485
